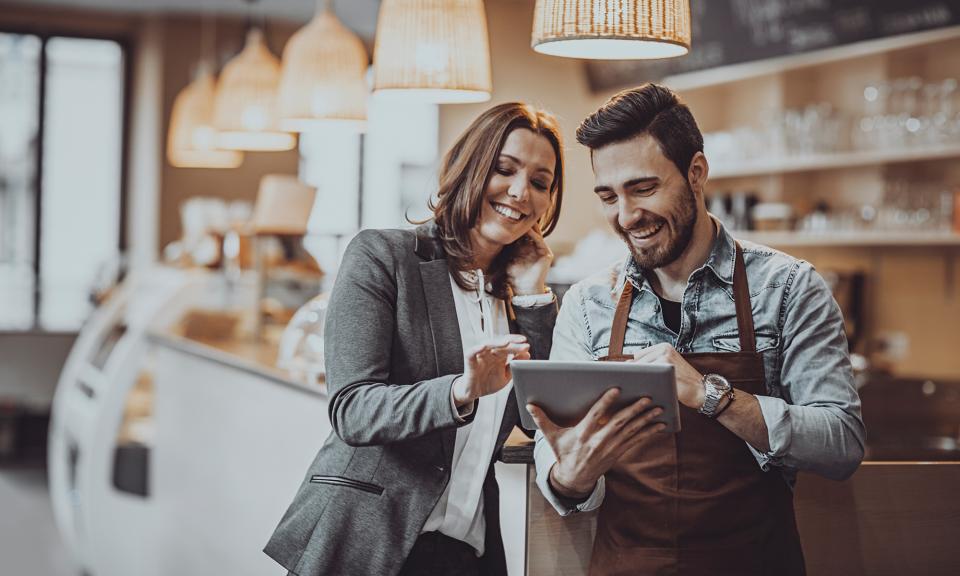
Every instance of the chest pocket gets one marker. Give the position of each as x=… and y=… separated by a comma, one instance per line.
x=731, y=342
x=630, y=347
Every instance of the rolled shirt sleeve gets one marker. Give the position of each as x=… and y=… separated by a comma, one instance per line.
x=816, y=425
x=545, y=459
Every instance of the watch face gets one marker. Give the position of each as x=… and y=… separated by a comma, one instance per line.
x=719, y=382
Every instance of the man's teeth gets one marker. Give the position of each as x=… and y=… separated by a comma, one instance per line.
x=646, y=232
x=508, y=212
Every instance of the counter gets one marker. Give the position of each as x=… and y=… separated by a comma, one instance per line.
x=234, y=437
x=889, y=518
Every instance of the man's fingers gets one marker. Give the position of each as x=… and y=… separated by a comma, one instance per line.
x=650, y=352
x=644, y=355
x=544, y=423
x=644, y=423
x=597, y=417
x=625, y=415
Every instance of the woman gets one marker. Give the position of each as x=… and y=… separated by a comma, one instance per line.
x=420, y=328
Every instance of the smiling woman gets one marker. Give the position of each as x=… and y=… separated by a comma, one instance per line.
x=488, y=194
x=420, y=328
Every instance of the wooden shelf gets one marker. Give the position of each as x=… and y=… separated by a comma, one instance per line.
x=730, y=74
x=865, y=239
x=837, y=160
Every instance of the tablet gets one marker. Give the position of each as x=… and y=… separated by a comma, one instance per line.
x=567, y=390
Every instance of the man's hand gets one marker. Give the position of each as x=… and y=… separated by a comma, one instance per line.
x=690, y=390
x=487, y=368
x=586, y=451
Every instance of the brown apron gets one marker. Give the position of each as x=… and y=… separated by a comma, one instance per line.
x=696, y=503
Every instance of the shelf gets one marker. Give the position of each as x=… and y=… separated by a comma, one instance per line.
x=732, y=73
x=837, y=160
x=851, y=239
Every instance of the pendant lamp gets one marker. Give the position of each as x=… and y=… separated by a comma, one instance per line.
x=323, y=76
x=432, y=50
x=192, y=139
x=612, y=29
x=245, y=110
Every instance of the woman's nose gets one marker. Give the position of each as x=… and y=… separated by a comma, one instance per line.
x=517, y=189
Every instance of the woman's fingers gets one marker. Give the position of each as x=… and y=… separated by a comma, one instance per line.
x=522, y=355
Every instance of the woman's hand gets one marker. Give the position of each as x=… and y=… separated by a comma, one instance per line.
x=487, y=369
x=527, y=272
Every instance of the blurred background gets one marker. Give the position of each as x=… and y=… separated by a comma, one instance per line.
x=178, y=179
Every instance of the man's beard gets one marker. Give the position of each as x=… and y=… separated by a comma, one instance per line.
x=682, y=223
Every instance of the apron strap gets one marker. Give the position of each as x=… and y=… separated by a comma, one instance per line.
x=618, y=332
x=741, y=295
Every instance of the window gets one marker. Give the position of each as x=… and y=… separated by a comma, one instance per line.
x=62, y=106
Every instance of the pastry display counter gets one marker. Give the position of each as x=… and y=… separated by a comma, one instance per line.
x=234, y=438
x=175, y=451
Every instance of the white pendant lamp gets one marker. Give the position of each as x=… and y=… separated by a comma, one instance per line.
x=192, y=139
x=432, y=50
x=612, y=29
x=245, y=111
x=323, y=76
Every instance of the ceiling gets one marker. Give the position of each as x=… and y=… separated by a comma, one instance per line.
x=360, y=15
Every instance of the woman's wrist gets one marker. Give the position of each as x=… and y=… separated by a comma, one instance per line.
x=461, y=395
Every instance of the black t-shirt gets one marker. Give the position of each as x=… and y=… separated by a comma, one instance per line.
x=671, y=313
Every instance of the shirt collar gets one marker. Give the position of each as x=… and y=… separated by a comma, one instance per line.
x=721, y=261
x=723, y=256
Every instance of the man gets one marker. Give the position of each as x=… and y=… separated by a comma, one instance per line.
x=758, y=347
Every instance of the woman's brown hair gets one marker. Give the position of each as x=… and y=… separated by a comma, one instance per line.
x=465, y=172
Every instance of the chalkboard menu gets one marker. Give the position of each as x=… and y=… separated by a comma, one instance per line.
x=736, y=31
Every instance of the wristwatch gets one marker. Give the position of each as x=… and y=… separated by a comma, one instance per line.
x=715, y=387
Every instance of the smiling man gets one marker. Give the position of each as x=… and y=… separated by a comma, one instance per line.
x=762, y=370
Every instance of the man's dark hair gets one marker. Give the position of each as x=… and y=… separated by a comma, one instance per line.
x=649, y=108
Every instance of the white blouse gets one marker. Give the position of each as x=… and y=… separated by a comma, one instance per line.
x=459, y=512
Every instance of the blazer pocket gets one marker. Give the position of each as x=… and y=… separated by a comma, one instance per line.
x=347, y=483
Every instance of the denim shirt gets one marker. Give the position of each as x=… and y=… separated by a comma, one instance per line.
x=811, y=409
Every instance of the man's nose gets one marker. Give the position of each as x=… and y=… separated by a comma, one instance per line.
x=628, y=213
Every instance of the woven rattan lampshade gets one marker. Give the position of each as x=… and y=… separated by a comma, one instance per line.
x=433, y=50
x=192, y=139
x=245, y=110
x=323, y=76
x=612, y=29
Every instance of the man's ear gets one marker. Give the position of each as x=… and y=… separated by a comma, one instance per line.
x=698, y=172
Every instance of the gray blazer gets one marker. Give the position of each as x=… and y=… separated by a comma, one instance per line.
x=393, y=348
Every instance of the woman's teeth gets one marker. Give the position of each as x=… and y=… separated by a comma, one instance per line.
x=646, y=232
x=508, y=212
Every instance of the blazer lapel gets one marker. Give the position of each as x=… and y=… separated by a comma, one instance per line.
x=442, y=313
x=444, y=327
